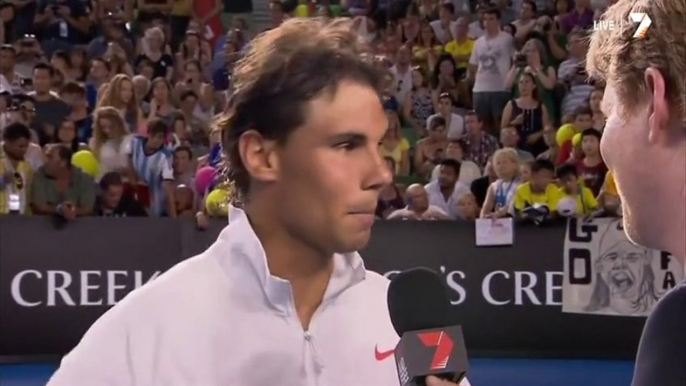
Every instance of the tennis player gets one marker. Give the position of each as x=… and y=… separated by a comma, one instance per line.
x=644, y=144
x=281, y=298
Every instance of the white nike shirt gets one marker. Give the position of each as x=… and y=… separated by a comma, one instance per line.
x=221, y=319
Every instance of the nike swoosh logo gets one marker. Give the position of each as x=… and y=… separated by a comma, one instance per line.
x=382, y=355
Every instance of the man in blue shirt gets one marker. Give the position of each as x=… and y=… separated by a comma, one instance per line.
x=644, y=144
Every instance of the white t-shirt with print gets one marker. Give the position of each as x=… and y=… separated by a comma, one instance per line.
x=493, y=56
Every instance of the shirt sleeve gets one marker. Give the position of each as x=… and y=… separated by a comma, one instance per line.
x=87, y=196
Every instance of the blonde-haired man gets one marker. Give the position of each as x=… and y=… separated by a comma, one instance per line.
x=644, y=145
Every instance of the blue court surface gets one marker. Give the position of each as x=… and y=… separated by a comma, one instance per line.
x=484, y=372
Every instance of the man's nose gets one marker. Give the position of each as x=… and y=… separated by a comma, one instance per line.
x=380, y=174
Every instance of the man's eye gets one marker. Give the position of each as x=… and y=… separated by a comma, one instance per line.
x=347, y=145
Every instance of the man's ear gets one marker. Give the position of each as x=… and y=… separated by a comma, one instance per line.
x=259, y=156
x=659, y=120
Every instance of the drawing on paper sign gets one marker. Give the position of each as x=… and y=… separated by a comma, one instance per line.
x=607, y=274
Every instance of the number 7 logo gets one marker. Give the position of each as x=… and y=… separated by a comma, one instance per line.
x=443, y=344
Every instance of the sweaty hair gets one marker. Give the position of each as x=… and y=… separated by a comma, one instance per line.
x=283, y=71
x=620, y=59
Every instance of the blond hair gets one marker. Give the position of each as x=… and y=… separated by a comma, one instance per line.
x=111, y=97
x=99, y=137
x=508, y=153
x=620, y=59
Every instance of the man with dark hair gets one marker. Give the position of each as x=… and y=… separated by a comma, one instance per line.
x=644, y=143
x=9, y=79
x=112, y=202
x=16, y=173
x=284, y=294
x=74, y=94
x=445, y=192
x=454, y=124
x=98, y=75
x=60, y=189
x=582, y=120
x=50, y=109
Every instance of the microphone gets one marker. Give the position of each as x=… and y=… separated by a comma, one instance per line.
x=419, y=308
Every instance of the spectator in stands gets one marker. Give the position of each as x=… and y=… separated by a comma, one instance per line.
x=579, y=18
x=555, y=42
x=29, y=53
x=16, y=174
x=418, y=207
x=50, y=109
x=572, y=187
x=500, y=194
x=183, y=166
x=402, y=73
x=509, y=138
x=609, y=199
x=446, y=80
x=528, y=115
x=430, y=150
x=479, y=145
x=467, y=207
x=447, y=189
x=141, y=87
x=476, y=28
x=479, y=187
x=572, y=74
x=160, y=105
x=539, y=192
x=582, y=120
x=192, y=80
x=74, y=94
x=427, y=50
x=114, y=32
x=111, y=142
x=453, y=122
x=594, y=101
x=395, y=146
x=390, y=198
x=112, y=202
x=469, y=171
x=66, y=135
x=153, y=44
x=591, y=168
x=549, y=136
x=61, y=24
x=444, y=27
x=526, y=20
x=461, y=46
x=525, y=171
x=418, y=105
x=489, y=64
x=97, y=76
x=152, y=166
x=60, y=189
x=542, y=74
x=10, y=79
x=119, y=94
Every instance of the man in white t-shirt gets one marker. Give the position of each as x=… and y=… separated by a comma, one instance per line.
x=282, y=297
x=488, y=66
x=453, y=122
x=445, y=192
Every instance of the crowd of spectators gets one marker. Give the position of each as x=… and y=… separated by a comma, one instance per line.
x=107, y=107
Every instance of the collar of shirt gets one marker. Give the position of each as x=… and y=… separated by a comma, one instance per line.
x=242, y=243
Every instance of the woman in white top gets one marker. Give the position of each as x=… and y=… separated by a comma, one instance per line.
x=501, y=193
x=110, y=142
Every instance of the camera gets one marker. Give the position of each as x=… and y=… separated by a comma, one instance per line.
x=520, y=59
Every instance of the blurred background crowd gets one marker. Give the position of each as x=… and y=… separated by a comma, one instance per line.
x=107, y=106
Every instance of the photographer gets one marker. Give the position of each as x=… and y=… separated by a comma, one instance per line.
x=547, y=31
x=534, y=61
x=572, y=74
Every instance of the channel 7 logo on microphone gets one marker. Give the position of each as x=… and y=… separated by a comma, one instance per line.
x=640, y=18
